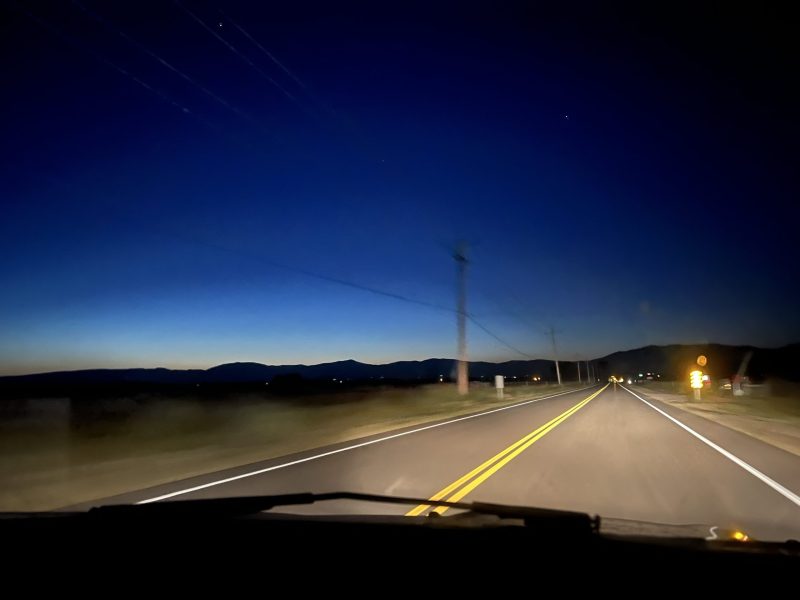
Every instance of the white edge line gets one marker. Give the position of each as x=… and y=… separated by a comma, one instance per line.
x=353, y=447
x=787, y=493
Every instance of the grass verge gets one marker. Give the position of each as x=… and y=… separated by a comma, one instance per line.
x=50, y=459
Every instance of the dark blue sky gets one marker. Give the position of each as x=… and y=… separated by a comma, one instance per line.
x=629, y=178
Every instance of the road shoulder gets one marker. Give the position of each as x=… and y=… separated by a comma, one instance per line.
x=771, y=430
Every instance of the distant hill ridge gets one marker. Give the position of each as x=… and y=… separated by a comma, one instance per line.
x=670, y=361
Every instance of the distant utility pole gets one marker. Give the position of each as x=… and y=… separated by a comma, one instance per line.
x=552, y=333
x=578, y=363
x=461, y=318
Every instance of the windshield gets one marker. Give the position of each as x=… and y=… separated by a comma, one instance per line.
x=530, y=255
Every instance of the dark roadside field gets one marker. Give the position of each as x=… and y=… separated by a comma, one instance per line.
x=56, y=451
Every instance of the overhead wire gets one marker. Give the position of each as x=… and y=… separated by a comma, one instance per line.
x=236, y=51
x=305, y=88
x=303, y=271
x=103, y=21
x=269, y=54
x=72, y=41
x=358, y=286
x=68, y=38
x=350, y=284
x=498, y=338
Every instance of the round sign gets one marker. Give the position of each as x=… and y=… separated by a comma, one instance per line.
x=702, y=360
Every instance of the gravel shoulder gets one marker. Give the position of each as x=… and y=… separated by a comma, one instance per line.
x=772, y=420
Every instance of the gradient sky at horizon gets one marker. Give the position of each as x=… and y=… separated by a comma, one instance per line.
x=626, y=176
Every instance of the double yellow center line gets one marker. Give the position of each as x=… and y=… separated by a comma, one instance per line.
x=482, y=472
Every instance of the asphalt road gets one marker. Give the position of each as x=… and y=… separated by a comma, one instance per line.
x=615, y=454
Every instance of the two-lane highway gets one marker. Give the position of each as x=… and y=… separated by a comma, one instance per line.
x=603, y=450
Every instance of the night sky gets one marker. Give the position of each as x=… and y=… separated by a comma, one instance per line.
x=628, y=178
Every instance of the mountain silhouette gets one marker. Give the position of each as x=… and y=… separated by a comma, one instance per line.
x=672, y=362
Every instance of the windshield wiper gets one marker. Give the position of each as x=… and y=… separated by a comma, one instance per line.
x=540, y=518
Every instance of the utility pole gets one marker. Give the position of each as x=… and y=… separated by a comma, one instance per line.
x=552, y=333
x=578, y=363
x=461, y=318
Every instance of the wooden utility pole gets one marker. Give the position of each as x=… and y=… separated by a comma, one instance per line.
x=552, y=333
x=461, y=318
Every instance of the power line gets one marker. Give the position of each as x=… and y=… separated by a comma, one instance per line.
x=310, y=273
x=506, y=311
x=314, y=99
x=264, y=50
x=236, y=51
x=306, y=272
x=358, y=286
x=72, y=41
x=347, y=283
x=351, y=284
x=354, y=285
x=498, y=338
x=100, y=19
x=319, y=103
